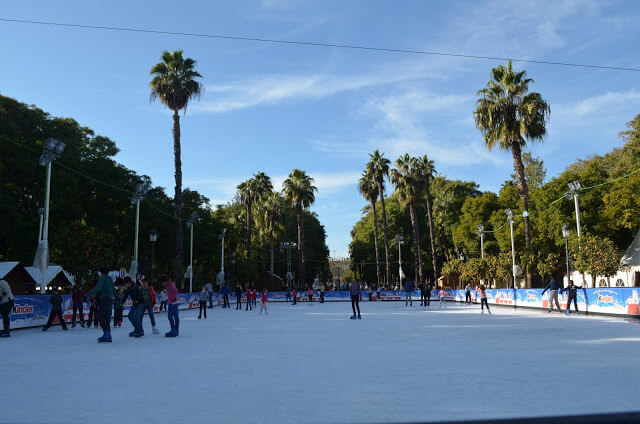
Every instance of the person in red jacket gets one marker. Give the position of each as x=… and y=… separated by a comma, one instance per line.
x=77, y=296
x=263, y=302
x=249, y=297
x=254, y=296
x=93, y=312
x=310, y=295
x=295, y=296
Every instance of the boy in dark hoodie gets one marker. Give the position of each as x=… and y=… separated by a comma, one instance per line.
x=118, y=306
x=137, y=309
x=56, y=310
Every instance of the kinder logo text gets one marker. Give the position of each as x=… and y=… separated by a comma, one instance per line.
x=22, y=309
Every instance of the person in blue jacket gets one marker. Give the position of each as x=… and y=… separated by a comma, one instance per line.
x=225, y=291
x=553, y=288
x=408, y=290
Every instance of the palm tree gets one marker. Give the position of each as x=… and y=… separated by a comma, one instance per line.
x=175, y=84
x=271, y=210
x=369, y=191
x=426, y=169
x=247, y=190
x=406, y=177
x=508, y=116
x=262, y=185
x=378, y=168
x=299, y=191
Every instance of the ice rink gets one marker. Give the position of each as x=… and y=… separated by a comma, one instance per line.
x=312, y=364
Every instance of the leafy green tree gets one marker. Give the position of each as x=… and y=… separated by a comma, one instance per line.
x=405, y=176
x=594, y=255
x=299, y=191
x=175, y=84
x=474, y=270
x=508, y=116
x=426, y=170
x=378, y=167
x=534, y=171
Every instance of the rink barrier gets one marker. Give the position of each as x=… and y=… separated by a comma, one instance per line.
x=33, y=310
x=607, y=418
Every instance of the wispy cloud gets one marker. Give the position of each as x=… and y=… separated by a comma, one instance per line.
x=608, y=103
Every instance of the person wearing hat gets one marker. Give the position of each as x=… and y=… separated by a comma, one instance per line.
x=6, y=305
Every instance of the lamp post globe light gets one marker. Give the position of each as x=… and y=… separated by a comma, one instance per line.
x=574, y=188
x=189, y=273
x=52, y=149
x=511, y=221
x=141, y=191
x=153, y=237
x=400, y=241
x=481, y=234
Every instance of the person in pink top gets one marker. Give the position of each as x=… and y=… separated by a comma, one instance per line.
x=483, y=299
x=442, y=295
x=174, y=303
x=263, y=302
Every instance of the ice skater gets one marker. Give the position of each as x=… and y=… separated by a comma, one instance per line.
x=553, y=288
x=354, y=291
x=56, y=311
x=238, y=297
x=6, y=306
x=93, y=312
x=209, y=288
x=105, y=292
x=163, y=300
x=134, y=292
x=263, y=302
x=118, y=307
x=254, y=297
x=288, y=299
x=204, y=295
x=295, y=296
x=77, y=297
x=442, y=295
x=467, y=294
x=150, y=298
x=573, y=296
x=321, y=293
x=483, y=299
x=174, y=304
x=408, y=291
x=378, y=292
x=427, y=295
x=248, y=295
x=310, y=295
x=225, y=291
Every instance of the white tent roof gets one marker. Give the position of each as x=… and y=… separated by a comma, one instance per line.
x=631, y=257
x=52, y=272
x=6, y=267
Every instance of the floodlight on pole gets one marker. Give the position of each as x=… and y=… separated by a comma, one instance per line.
x=52, y=150
x=153, y=237
x=511, y=221
x=400, y=241
x=189, y=273
x=288, y=245
x=220, y=276
x=573, y=193
x=141, y=190
x=481, y=234
x=565, y=235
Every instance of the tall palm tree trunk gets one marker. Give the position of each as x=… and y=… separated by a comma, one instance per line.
x=523, y=191
x=271, y=243
x=375, y=241
x=415, y=226
x=385, y=232
x=248, y=230
x=178, y=199
x=434, y=260
x=301, y=267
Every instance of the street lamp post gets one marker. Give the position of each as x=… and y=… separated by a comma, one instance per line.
x=153, y=237
x=190, y=222
x=400, y=242
x=510, y=220
x=138, y=195
x=288, y=245
x=221, y=273
x=233, y=269
x=574, y=187
x=52, y=150
x=481, y=234
x=565, y=234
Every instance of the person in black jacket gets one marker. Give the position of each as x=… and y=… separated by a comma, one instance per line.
x=238, y=297
x=573, y=296
x=427, y=294
x=137, y=309
x=56, y=310
x=553, y=288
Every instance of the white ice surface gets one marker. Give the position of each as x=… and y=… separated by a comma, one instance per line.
x=311, y=364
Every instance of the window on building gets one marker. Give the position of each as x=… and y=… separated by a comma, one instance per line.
x=619, y=282
x=602, y=283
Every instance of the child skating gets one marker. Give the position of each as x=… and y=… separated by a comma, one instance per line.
x=442, y=296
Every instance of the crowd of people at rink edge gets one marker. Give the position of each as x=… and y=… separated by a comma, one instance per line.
x=109, y=296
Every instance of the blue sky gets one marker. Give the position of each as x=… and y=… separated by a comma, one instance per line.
x=271, y=108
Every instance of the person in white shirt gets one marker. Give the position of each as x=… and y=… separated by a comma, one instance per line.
x=6, y=305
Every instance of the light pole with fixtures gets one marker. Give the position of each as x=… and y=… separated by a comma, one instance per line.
x=510, y=220
x=190, y=222
x=574, y=187
x=153, y=237
x=288, y=245
x=481, y=234
x=141, y=191
x=221, y=273
x=400, y=241
x=565, y=234
x=52, y=150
